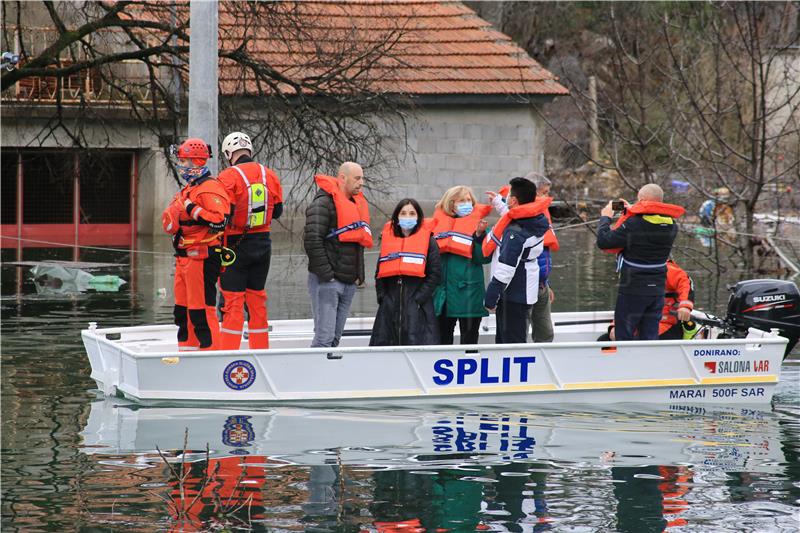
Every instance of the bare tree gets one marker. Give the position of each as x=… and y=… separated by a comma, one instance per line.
x=311, y=94
x=706, y=93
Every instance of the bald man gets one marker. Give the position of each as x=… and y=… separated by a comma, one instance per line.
x=642, y=238
x=335, y=235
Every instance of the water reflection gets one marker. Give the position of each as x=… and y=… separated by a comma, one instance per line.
x=73, y=461
x=630, y=435
x=633, y=468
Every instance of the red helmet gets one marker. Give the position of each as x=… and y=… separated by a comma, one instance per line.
x=195, y=150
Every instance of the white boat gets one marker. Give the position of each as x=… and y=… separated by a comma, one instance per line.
x=715, y=437
x=143, y=364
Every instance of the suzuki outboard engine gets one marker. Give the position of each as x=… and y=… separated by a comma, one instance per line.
x=765, y=304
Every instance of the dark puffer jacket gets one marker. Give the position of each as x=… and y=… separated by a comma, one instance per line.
x=405, y=306
x=329, y=258
x=643, y=242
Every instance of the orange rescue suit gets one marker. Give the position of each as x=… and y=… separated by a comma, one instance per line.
x=679, y=293
x=646, y=208
x=404, y=256
x=352, y=217
x=254, y=190
x=209, y=204
x=531, y=209
x=230, y=484
x=454, y=234
x=188, y=219
x=240, y=180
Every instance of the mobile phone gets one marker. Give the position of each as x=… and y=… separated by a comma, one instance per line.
x=617, y=206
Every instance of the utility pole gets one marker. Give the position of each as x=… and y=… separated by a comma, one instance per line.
x=203, y=75
x=594, y=135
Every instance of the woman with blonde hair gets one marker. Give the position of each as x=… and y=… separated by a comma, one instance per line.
x=459, y=231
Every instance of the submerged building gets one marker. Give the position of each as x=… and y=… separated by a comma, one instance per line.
x=81, y=165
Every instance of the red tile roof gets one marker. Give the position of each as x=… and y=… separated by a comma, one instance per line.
x=426, y=48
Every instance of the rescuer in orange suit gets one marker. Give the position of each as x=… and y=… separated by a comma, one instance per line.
x=678, y=304
x=257, y=198
x=231, y=492
x=196, y=218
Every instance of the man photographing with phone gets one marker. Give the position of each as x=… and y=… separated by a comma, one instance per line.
x=642, y=238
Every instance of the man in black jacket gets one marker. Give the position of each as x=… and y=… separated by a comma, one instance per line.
x=334, y=266
x=643, y=242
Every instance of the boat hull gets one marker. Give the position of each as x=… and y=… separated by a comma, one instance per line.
x=143, y=364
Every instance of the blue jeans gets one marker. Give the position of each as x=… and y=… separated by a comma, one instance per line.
x=330, y=304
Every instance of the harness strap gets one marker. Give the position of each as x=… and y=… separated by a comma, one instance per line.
x=248, y=186
x=621, y=260
x=397, y=255
x=349, y=227
x=445, y=234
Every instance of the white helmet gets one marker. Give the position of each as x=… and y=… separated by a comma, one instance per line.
x=236, y=141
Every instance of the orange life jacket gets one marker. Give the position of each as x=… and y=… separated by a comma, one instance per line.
x=212, y=204
x=255, y=197
x=531, y=209
x=404, y=256
x=679, y=293
x=646, y=208
x=550, y=239
x=454, y=234
x=352, y=217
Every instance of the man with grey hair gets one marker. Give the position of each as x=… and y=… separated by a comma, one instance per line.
x=642, y=238
x=541, y=322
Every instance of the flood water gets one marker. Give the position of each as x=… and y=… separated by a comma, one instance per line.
x=74, y=461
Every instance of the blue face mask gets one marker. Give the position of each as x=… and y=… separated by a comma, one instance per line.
x=189, y=174
x=407, y=223
x=464, y=209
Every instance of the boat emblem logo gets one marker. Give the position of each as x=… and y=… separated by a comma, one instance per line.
x=239, y=375
x=238, y=431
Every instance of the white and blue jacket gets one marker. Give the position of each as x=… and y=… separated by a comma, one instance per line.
x=515, y=269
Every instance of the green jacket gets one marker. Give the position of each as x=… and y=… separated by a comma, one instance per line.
x=462, y=288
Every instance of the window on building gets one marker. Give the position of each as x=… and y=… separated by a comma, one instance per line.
x=48, y=187
x=51, y=179
x=105, y=179
x=8, y=187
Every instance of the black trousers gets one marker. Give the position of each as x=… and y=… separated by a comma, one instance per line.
x=251, y=267
x=512, y=322
x=637, y=313
x=469, y=327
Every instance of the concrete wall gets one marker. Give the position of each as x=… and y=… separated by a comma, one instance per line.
x=783, y=96
x=156, y=188
x=442, y=146
x=482, y=147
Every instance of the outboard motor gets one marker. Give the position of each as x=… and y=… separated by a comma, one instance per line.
x=765, y=304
